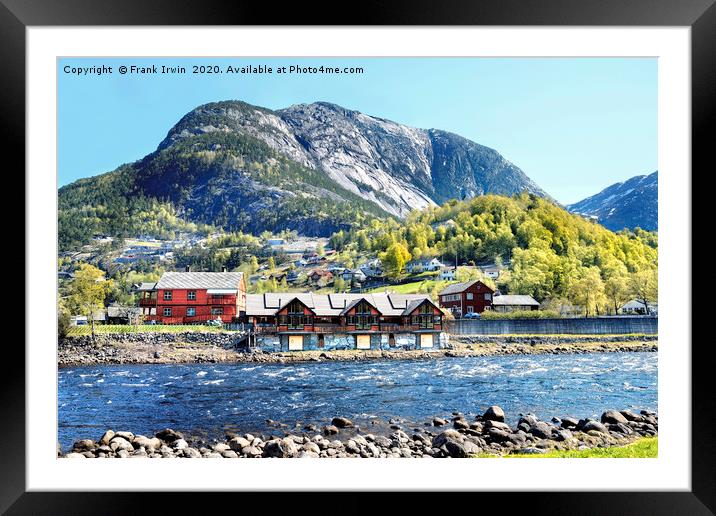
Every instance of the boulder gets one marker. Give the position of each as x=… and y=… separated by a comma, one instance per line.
x=569, y=422
x=311, y=448
x=499, y=436
x=341, y=422
x=252, y=451
x=563, y=435
x=168, y=435
x=494, y=413
x=180, y=444
x=330, y=430
x=621, y=428
x=541, y=429
x=83, y=445
x=529, y=419
x=229, y=454
x=530, y=451
x=489, y=424
x=438, y=421
x=612, y=416
x=141, y=441
x=455, y=449
x=630, y=416
x=382, y=441
x=129, y=436
x=594, y=425
x=106, y=437
x=238, y=443
x=440, y=439
x=191, y=453
x=120, y=443
x=280, y=448
x=460, y=424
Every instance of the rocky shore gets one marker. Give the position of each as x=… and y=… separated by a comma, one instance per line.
x=456, y=437
x=195, y=347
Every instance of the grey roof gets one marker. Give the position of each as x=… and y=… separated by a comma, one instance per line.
x=456, y=288
x=122, y=311
x=635, y=303
x=330, y=305
x=413, y=304
x=147, y=286
x=514, y=301
x=200, y=280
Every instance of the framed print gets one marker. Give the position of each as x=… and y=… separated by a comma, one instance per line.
x=359, y=253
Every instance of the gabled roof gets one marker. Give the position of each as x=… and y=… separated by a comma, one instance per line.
x=330, y=305
x=355, y=302
x=415, y=303
x=291, y=300
x=514, y=300
x=200, y=280
x=456, y=288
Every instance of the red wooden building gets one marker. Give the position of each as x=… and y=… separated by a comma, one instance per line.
x=465, y=298
x=194, y=297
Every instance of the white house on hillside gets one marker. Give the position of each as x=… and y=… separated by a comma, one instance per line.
x=424, y=265
x=636, y=307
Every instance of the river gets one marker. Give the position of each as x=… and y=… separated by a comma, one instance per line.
x=205, y=400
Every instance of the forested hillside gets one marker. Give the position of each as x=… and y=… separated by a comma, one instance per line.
x=551, y=253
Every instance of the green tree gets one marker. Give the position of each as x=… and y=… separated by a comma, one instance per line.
x=254, y=264
x=588, y=291
x=644, y=286
x=394, y=259
x=339, y=284
x=87, y=292
x=616, y=288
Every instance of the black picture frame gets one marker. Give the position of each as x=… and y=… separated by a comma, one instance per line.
x=17, y=15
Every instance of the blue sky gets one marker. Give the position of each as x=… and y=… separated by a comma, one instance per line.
x=574, y=125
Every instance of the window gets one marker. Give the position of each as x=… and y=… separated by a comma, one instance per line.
x=191, y=311
x=167, y=312
x=469, y=296
x=296, y=318
x=364, y=318
x=167, y=295
x=191, y=295
x=470, y=309
x=217, y=311
x=424, y=318
x=488, y=297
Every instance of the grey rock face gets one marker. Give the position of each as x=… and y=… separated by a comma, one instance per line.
x=395, y=166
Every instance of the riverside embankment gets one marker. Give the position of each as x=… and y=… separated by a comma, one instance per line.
x=227, y=347
x=459, y=437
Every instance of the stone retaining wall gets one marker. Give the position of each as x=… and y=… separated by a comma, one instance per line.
x=343, y=341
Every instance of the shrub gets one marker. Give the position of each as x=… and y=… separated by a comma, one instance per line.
x=522, y=314
x=63, y=323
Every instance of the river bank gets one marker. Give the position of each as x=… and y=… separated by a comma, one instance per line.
x=459, y=437
x=195, y=347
